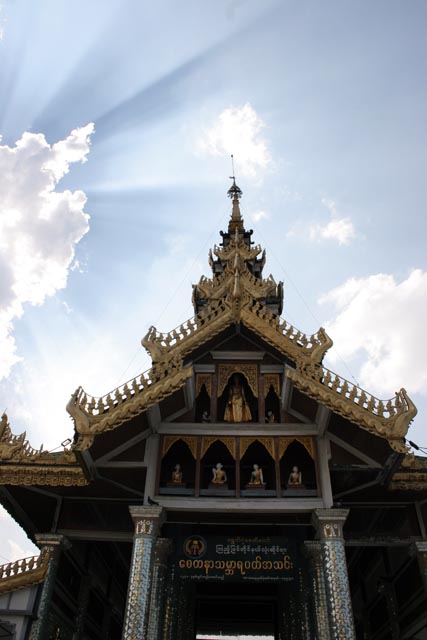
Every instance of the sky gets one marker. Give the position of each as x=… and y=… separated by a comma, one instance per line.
x=117, y=121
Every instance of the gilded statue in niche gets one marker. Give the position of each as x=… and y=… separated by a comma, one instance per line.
x=177, y=474
x=218, y=475
x=295, y=479
x=176, y=477
x=237, y=408
x=257, y=478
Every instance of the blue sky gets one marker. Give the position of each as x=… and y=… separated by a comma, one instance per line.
x=323, y=105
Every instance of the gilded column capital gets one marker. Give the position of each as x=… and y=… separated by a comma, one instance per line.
x=420, y=546
x=329, y=523
x=52, y=540
x=147, y=520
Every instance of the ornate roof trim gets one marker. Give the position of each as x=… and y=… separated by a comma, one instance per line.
x=23, y=573
x=387, y=419
x=21, y=464
x=407, y=481
x=194, y=332
x=93, y=416
x=29, y=475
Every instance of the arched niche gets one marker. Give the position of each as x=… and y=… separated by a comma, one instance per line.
x=298, y=453
x=272, y=406
x=203, y=405
x=217, y=452
x=180, y=453
x=256, y=453
x=249, y=397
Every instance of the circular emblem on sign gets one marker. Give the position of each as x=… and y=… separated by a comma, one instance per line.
x=195, y=547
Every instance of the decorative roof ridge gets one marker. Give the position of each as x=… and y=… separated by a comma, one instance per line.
x=23, y=573
x=284, y=336
x=93, y=416
x=247, y=253
x=217, y=315
x=388, y=419
x=15, y=448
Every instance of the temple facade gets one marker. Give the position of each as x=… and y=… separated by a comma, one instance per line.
x=238, y=486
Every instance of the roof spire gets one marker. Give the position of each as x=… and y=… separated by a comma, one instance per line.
x=236, y=222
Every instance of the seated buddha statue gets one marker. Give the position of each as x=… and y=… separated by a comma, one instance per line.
x=295, y=479
x=257, y=478
x=176, y=477
x=177, y=474
x=219, y=475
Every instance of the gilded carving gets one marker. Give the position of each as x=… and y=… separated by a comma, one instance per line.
x=54, y=476
x=387, y=419
x=236, y=295
x=17, y=448
x=190, y=441
x=272, y=380
x=407, y=481
x=306, y=441
x=92, y=416
x=206, y=380
x=246, y=441
x=144, y=526
x=229, y=442
x=23, y=573
x=250, y=371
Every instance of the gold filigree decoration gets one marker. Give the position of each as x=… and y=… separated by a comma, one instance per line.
x=407, y=481
x=387, y=419
x=229, y=442
x=189, y=335
x=204, y=379
x=19, y=474
x=21, y=464
x=306, y=441
x=235, y=296
x=23, y=573
x=190, y=441
x=93, y=416
x=283, y=336
x=272, y=380
x=411, y=461
x=17, y=448
x=250, y=371
x=246, y=441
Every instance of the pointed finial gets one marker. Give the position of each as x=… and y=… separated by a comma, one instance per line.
x=234, y=192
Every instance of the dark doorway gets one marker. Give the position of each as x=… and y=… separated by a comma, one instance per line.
x=236, y=609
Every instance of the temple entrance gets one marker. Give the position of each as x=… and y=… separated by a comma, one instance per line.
x=236, y=610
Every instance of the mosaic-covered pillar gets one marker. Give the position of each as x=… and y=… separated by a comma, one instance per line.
x=148, y=521
x=304, y=607
x=158, y=589
x=82, y=604
x=420, y=549
x=386, y=588
x=181, y=617
x=171, y=604
x=329, y=524
x=313, y=550
x=51, y=544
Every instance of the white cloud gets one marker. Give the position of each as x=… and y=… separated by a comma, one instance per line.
x=2, y=22
x=384, y=321
x=98, y=355
x=339, y=229
x=238, y=131
x=259, y=215
x=39, y=226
